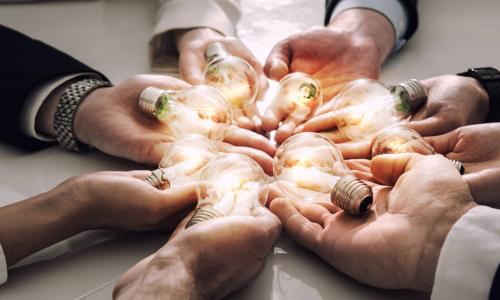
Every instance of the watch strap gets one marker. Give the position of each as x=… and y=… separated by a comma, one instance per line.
x=490, y=80
x=65, y=114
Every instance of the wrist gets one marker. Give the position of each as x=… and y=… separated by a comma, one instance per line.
x=427, y=265
x=368, y=28
x=174, y=267
x=84, y=113
x=184, y=37
x=74, y=203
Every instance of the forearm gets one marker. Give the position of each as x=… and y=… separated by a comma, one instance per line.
x=367, y=26
x=168, y=276
x=33, y=224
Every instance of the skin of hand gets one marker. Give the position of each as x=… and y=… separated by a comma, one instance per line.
x=119, y=200
x=453, y=101
x=109, y=119
x=206, y=261
x=191, y=45
x=478, y=148
x=397, y=244
x=354, y=45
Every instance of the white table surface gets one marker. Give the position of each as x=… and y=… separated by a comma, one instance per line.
x=112, y=36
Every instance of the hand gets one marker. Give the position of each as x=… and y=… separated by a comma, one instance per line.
x=109, y=119
x=453, y=101
x=397, y=244
x=119, y=200
x=478, y=148
x=122, y=200
x=243, y=141
x=207, y=261
x=191, y=45
x=354, y=45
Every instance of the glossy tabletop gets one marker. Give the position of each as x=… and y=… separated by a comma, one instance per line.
x=113, y=36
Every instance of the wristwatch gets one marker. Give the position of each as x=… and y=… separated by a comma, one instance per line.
x=490, y=80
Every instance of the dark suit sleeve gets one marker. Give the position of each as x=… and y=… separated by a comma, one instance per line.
x=411, y=9
x=26, y=63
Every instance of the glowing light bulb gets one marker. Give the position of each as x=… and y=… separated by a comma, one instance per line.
x=300, y=95
x=199, y=109
x=231, y=184
x=369, y=106
x=401, y=139
x=233, y=76
x=185, y=158
x=309, y=167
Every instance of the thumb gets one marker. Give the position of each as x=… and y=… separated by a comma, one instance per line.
x=278, y=61
x=388, y=168
x=444, y=143
x=150, y=149
x=191, y=68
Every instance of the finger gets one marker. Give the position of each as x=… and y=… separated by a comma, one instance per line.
x=432, y=125
x=335, y=136
x=178, y=197
x=264, y=160
x=362, y=165
x=242, y=120
x=387, y=168
x=139, y=174
x=315, y=213
x=286, y=129
x=367, y=176
x=252, y=112
x=191, y=67
x=299, y=227
x=263, y=87
x=333, y=119
x=274, y=192
x=444, y=143
x=325, y=108
x=278, y=60
x=273, y=116
x=355, y=150
x=148, y=147
x=237, y=48
x=268, y=221
x=241, y=137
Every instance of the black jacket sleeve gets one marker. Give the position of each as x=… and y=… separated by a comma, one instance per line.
x=411, y=9
x=25, y=64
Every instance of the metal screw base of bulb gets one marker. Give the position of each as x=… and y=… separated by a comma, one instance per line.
x=459, y=165
x=158, y=179
x=352, y=195
x=203, y=213
x=417, y=93
x=148, y=100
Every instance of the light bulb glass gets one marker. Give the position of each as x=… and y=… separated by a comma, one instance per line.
x=232, y=75
x=198, y=109
x=231, y=184
x=300, y=94
x=309, y=167
x=368, y=106
x=401, y=139
x=183, y=162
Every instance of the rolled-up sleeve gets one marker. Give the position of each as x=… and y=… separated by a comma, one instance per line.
x=470, y=256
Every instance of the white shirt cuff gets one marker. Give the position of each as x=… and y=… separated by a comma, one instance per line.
x=393, y=10
x=470, y=256
x=219, y=15
x=3, y=266
x=35, y=100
